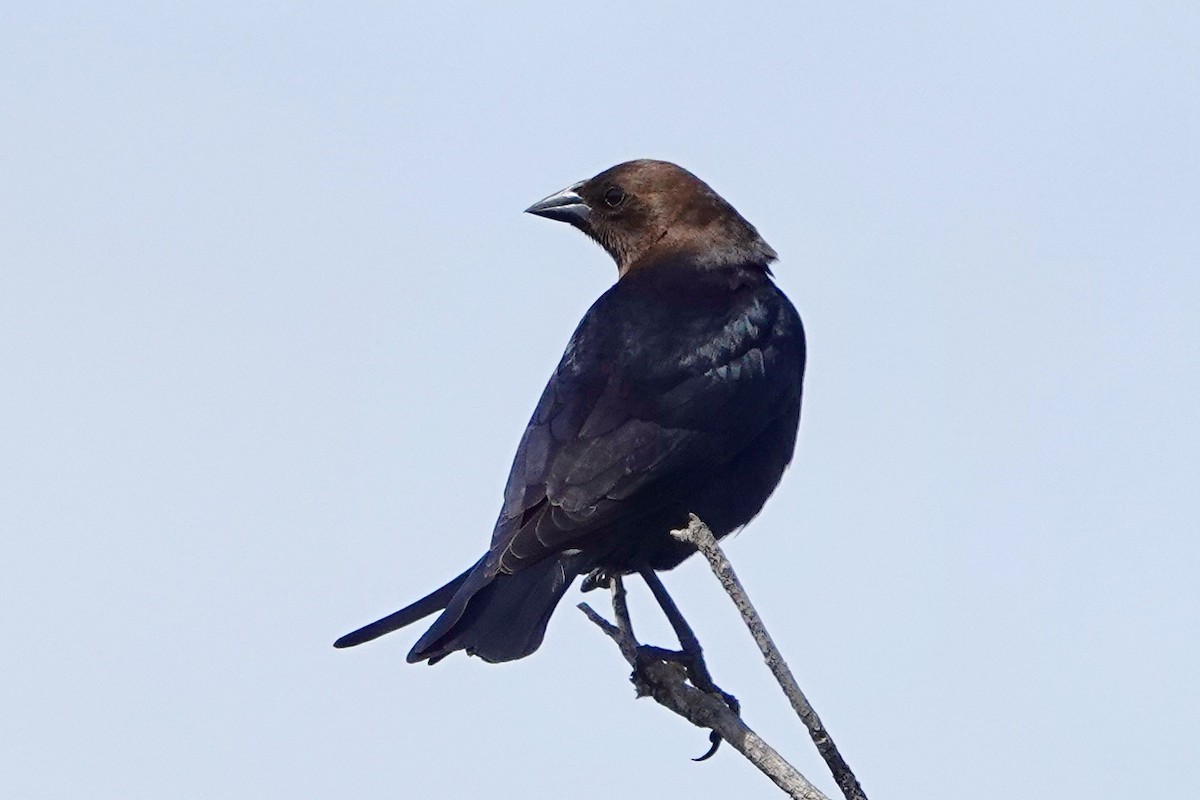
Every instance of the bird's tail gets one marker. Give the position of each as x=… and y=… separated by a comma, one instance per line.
x=498, y=617
x=435, y=601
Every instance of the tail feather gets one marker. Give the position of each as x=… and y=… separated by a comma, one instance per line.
x=427, y=605
x=499, y=617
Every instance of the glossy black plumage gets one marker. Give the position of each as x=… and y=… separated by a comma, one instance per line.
x=678, y=392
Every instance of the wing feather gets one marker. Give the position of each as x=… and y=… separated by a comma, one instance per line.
x=608, y=427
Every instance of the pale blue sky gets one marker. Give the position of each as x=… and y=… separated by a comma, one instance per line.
x=271, y=324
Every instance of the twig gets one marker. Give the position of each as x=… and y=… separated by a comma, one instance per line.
x=666, y=682
x=627, y=641
x=699, y=535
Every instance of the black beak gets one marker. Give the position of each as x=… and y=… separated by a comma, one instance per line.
x=565, y=206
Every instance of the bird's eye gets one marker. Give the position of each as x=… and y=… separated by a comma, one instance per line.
x=614, y=196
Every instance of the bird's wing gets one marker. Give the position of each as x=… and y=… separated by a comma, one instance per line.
x=601, y=435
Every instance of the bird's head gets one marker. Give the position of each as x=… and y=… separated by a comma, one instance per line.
x=644, y=212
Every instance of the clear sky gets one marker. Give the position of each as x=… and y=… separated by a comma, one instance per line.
x=272, y=322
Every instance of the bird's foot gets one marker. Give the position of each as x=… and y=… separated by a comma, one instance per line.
x=697, y=673
x=647, y=656
x=597, y=579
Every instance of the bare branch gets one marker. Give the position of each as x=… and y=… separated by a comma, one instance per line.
x=667, y=682
x=699, y=535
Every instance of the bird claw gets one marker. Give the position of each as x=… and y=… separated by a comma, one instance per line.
x=734, y=704
x=696, y=673
x=715, y=739
x=647, y=654
x=596, y=579
x=649, y=651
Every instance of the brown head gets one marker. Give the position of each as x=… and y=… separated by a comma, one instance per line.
x=646, y=211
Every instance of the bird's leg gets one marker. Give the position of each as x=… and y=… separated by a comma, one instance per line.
x=692, y=655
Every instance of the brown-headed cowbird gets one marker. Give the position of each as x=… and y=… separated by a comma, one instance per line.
x=679, y=392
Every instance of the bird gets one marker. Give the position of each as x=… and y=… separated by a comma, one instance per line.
x=678, y=393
